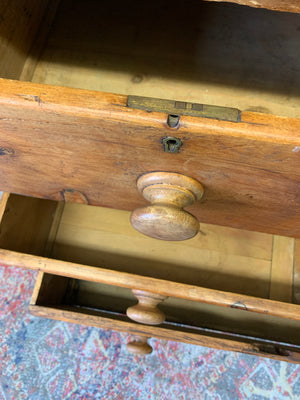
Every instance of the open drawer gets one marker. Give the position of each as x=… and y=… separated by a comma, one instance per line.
x=225, y=288
x=231, y=75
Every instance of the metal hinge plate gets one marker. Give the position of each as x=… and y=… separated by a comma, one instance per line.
x=183, y=108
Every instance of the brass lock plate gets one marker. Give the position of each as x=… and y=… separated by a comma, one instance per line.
x=172, y=107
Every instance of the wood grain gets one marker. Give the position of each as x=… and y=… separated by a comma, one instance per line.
x=296, y=283
x=218, y=258
x=282, y=270
x=168, y=194
x=278, y=5
x=3, y=202
x=146, y=311
x=162, y=287
x=57, y=215
x=200, y=337
x=26, y=224
x=220, y=59
x=241, y=165
x=19, y=25
x=38, y=289
x=38, y=45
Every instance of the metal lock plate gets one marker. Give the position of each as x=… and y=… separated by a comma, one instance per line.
x=175, y=108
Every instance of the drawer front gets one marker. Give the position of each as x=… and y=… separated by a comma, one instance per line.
x=53, y=298
x=56, y=141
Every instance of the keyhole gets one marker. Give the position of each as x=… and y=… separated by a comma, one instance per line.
x=171, y=144
x=173, y=120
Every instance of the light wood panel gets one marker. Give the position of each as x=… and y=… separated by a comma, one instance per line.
x=50, y=289
x=208, y=53
x=19, y=25
x=48, y=251
x=282, y=270
x=296, y=290
x=61, y=138
x=219, y=258
x=40, y=39
x=3, y=201
x=26, y=223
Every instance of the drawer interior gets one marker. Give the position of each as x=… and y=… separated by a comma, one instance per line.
x=210, y=53
x=218, y=258
x=90, y=298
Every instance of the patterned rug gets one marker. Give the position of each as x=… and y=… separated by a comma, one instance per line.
x=44, y=359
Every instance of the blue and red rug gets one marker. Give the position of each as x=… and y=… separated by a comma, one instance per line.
x=43, y=359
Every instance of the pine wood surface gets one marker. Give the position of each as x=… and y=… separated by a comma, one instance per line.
x=296, y=292
x=44, y=24
x=208, y=53
x=19, y=25
x=202, y=309
x=25, y=224
x=241, y=165
x=219, y=258
x=3, y=201
x=165, y=288
x=254, y=153
x=282, y=270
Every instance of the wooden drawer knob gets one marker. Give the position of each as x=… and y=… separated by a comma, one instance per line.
x=165, y=218
x=139, y=346
x=146, y=311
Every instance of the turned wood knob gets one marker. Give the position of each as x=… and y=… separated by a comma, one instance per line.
x=139, y=346
x=165, y=218
x=146, y=311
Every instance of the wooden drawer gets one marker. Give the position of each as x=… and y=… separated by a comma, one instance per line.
x=63, y=130
x=77, y=126
x=225, y=288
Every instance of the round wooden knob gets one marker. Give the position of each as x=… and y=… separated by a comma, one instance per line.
x=146, y=311
x=139, y=346
x=165, y=218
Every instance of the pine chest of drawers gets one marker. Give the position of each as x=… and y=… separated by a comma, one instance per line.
x=94, y=97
